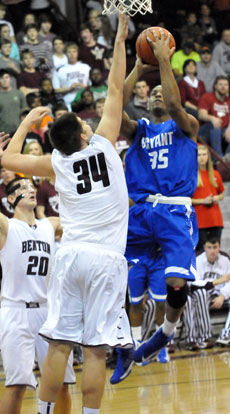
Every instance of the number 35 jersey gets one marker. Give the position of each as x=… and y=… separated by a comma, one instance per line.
x=26, y=261
x=93, y=197
x=162, y=159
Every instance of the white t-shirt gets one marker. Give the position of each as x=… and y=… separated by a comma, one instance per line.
x=207, y=272
x=26, y=261
x=69, y=74
x=93, y=203
x=59, y=62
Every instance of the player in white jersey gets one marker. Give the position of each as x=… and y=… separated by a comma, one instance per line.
x=89, y=278
x=27, y=248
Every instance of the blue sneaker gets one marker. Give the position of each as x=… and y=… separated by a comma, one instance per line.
x=152, y=346
x=124, y=364
x=163, y=356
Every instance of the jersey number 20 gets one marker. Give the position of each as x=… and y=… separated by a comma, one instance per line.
x=98, y=169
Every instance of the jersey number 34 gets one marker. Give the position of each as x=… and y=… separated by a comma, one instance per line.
x=95, y=169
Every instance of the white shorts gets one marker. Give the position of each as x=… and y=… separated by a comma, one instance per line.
x=86, y=297
x=19, y=342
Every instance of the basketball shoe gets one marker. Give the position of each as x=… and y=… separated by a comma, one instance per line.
x=124, y=364
x=151, y=348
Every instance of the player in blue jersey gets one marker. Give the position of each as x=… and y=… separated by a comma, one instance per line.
x=161, y=174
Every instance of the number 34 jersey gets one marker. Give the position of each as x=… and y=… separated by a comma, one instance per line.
x=93, y=197
x=162, y=159
x=26, y=261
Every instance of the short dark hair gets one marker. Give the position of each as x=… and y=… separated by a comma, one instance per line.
x=26, y=52
x=30, y=98
x=59, y=107
x=186, y=63
x=44, y=18
x=6, y=42
x=65, y=134
x=31, y=26
x=212, y=239
x=57, y=38
x=4, y=72
x=221, y=77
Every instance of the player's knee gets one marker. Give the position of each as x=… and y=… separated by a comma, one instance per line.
x=177, y=296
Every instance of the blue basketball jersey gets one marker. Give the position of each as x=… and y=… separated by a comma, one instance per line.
x=162, y=159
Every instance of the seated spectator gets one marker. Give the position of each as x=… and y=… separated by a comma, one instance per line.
x=207, y=25
x=98, y=88
x=209, y=191
x=40, y=128
x=85, y=108
x=48, y=200
x=3, y=10
x=59, y=57
x=191, y=89
x=31, y=136
x=221, y=52
x=208, y=69
x=5, y=35
x=211, y=266
x=101, y=28
x=191, y=29
x=186, y=52
x=41, y=50
x=21, y=37
x=6, y=177
x=138, y=107
x=90, y=51
x=58, y=111
x=45, y=25
x=214, y=110
x=72, y=76
x=6, y=62
x=34, y=148
x=12, y=101
x=29, y=79
x=47, y=94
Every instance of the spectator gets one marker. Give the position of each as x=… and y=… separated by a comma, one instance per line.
x=47, y=199
x=29, y=79
x=207, y=69
x=221, y=52
x=59, y=57
x=205, y=200
x=191, y=29
x=85, y=108
x=58, y=111
x=44, y=34
x=5, y=207
x=34, y=148
x=90, y=51
x=47, y=95
x=31, y=136
x=211, y=266
x=3, y=21
x=6, y=62
x=5, y=35
x=21, y=37
x=207, y=25
x=98, y=88
x=40, y=128
x=101, y=28
x=41, y=50
x=71, y=77
x=191, y=89
x=179, y=57
x=138, y=107
x=214, y=109
x=12, y=102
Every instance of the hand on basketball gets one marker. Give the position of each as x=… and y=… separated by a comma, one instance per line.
x=160, y=45
x=4, y=139
x=143, y=67
x=36, y=115
x=122, y=30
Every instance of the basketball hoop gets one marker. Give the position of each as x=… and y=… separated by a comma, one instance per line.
x=130, y=7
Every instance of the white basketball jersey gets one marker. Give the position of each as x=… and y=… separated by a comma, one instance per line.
x=26, y=261
x=93, y=204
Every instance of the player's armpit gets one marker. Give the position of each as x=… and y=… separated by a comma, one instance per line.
x=128, y=127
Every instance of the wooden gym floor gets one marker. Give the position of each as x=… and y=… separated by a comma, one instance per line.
x=191, y=383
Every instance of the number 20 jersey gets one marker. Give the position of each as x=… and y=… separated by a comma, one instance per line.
x=26, y=261
x=162, y=159
x=93, y=197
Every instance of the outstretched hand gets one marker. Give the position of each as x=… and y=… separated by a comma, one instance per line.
x=122, y=30
x=160, y=45
x=4, y=139
x=36, y=115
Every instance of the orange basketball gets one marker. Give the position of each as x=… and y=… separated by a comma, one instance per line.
x=144, y=49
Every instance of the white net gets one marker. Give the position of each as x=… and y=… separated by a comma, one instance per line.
x=130, y=7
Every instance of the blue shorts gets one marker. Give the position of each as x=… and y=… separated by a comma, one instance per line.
x=172, y=227
x=147, y=276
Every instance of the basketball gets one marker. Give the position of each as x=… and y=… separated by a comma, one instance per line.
x=144, y=49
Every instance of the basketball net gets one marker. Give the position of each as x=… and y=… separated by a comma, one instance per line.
x=130, y=7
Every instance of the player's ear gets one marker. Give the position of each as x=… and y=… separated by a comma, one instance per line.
x=11, y=199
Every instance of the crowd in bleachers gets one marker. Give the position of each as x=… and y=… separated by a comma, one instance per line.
x=40, y=64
